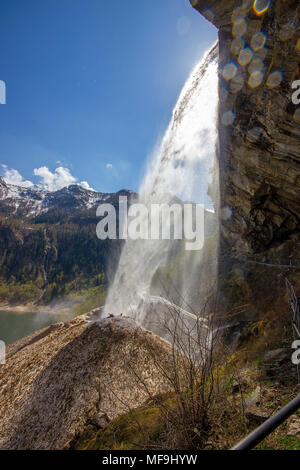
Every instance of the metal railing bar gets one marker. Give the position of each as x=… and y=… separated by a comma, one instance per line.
x=268, y=426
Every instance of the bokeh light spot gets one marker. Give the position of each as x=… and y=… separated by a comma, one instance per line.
x=261, y=6
x=226, y=213
x=255, y=79
x=261, y=53
x=229, y=71
x=256, y=65
x=296, y=116
x=287, y=31
x=237, y=45
x=274, y=79
x=223, y=94
x=245, y=56
x=228, y=118
x=258, y=41
x=239, y=28
x=238, y=14
x=237, y=83
x=208, y=14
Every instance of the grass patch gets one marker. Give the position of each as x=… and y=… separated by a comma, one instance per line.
x=289, y=443
x=133, y=430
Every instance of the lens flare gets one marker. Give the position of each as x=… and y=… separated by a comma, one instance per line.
x=296, y=116
x=261, y=6
x=261, y=53
x=287, y=31
x=226, y=213
x=223, y=94
x=245, y=56
x=228, y=118
x=274, y=79
x=256, y=65
x=237, y=83
x=258, y=41
x=229, y=71
x=237, y=45
x=238, y=14
x=239, y=28
x=208, y=14
x=255, y=79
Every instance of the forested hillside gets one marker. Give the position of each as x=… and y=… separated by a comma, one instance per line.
x=49, y=250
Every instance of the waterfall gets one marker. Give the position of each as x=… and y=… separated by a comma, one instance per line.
x=181, y=169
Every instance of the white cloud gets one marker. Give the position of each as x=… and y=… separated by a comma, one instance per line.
x=60, y=178
x=86, y=185
x=12, y=176
x=50, y=181
x=109, y=165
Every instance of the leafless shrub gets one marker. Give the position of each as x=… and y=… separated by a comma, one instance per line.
x=199, y=390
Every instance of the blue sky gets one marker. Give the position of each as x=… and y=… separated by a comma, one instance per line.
x=91, y=85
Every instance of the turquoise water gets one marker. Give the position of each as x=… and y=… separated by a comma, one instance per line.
x=16, y=325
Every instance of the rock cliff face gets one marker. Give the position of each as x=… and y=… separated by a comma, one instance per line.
x=71, y=375
x=259, y=126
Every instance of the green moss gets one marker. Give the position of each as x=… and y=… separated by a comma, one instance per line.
x=289, y=443
x=258, y=363
x=133, y=430
x=281, y=443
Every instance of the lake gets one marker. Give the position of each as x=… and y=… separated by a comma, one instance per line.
x=15, y=325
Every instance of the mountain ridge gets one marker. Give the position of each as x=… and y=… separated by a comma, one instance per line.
x=31, y=202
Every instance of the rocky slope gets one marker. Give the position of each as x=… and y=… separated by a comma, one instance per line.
x=259, y=131
x=69, y=375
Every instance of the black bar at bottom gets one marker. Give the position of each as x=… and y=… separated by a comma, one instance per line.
x=268, y=426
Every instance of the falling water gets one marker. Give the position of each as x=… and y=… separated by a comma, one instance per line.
x=183, y=168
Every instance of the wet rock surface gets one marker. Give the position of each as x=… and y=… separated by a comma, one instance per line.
x=259, y=130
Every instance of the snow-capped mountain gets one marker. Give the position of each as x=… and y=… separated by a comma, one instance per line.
x=31, y=202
